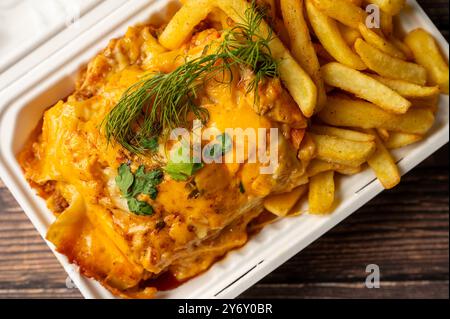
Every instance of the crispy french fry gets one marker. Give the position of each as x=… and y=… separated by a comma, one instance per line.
x=341, y=151
x=388, y=66
x=318, y=166
x=383, y=134
x=342, y=10
x=301, y=45
x=393, y=7
x=384, y=166
x=321, y=193
x=399, y=140
x=402, y=47
x=184, y=22
x=387, y=24
x=363, y=86
x=341, y=111
x=349, y=34
x=349, y=170
x=327, y=31
x=346, y=134
x=282, y=204
x=430, y=103
x=426, y=53
x=407, y=89
x=380, y=43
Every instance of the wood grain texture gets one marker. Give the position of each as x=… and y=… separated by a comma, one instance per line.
x=404, y=231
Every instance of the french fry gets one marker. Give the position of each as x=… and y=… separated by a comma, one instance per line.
x=343, y=11
x=426, y=53
x=383, y=134
x=183, y=23
x=346, y=134
x=392, y=7
x=341, y=151
x=399, y=140
x=402, y=47
x=431, y=103
x=349, y=34
x=386, y=24
x=282, y=204
x=318, y=166
x=327, y=31
x=384, y=166
x=407, y=89
x=388, y=66
x=301, y=45
x=349, y=170
x=379, y=42
x=363, y=86
x=345, y=112
x=321, y=193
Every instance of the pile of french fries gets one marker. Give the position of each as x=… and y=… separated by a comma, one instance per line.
x=367, y=89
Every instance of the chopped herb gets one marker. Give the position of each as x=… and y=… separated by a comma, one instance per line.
x=241, y=188
x=160, y=225
x=139, y=207
x=182, y=171
x=150, y=144
x=125, y=179
x=132, y=186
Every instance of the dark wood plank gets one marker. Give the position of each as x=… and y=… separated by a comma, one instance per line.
x=404, y=231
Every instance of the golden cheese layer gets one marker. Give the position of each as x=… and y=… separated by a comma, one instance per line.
x=71, y=164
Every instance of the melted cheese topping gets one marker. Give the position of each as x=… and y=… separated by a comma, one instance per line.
x=71, y=165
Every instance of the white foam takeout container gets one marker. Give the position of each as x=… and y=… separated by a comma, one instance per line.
x=24, y=100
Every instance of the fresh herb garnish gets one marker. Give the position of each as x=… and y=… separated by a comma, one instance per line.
x=161, y=102
x=241, y=188
x=182, y=171
x=141, y=183
x=150, y=144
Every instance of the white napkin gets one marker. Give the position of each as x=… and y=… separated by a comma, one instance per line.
x=23, y=22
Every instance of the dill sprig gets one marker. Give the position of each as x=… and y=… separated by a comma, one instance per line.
x=160, y=102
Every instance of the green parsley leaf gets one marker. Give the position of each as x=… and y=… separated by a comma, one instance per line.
x=141, y=182
x=182, y=171
x=145, y=183
x=125, y=179
x=139, y=207
x=241, y=188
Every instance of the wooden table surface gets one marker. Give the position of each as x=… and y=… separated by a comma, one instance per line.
x=404, y=231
